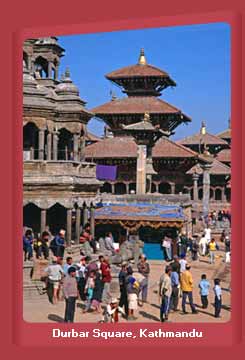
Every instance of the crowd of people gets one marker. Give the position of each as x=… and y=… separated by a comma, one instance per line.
x=196, y=246
x=90, y=280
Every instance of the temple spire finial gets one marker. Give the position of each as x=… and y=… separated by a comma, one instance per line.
x=67, y=72
x=229, y=123
x=142, y=59
x=203, y=128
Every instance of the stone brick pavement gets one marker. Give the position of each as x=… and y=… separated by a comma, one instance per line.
x=40, y=310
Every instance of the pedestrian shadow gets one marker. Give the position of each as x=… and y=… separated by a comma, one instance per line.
x=226, y=289
x=55, y=318
x=226, y=307
x=149, y=316
x=204, y=261
x=80, y=306
x=155, y=306
x=205, y=312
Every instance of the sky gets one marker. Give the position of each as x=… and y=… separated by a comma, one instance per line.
x=197, y=57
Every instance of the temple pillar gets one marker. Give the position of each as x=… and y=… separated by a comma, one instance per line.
x=157, y=187
x=141, y=170
x=55, y=145
x=85, y=214
x=195, y=178
x=78, y=224
x=223, y=195
x=43, y=220
x=49, y=146
x=75, y=147
x=127, y=188
x=50, y=70
x=31, y=153
x=172, y=188
x=41, y=144
x=82, y=148
x=113, y=188
x=92, y=220
x=29, y=63
x=206, y=189
x=56, y=72
x=68, y=226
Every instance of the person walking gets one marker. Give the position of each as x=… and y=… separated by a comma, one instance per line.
x=97, y=292
x=123, y=288
x=55, y=273
x=70, y=294
x=89, y=288
x=133, y=289
x=165, y=290
x=217, y=298
x=167, y=248
x=186, y=282
x=212, y=250
x=144, y=269
x=174, y=300
x=203, y=243
x=106, y=279
x=204, y=286
x=81, y=277
x=227, y=250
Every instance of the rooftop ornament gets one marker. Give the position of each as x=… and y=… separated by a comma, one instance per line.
x=142, y=59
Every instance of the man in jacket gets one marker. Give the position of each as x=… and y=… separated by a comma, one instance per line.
x=187, y=288
x=165, y=291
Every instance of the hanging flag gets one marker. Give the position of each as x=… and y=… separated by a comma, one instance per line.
x=106, y=172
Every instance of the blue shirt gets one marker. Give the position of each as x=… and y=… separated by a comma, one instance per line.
x=65, y=268
x=204, y=287
x=174, y=278
x=59, y=241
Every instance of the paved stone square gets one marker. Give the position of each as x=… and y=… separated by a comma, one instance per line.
x=40, y=310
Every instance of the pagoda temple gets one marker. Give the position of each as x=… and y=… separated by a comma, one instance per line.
x=177, y=165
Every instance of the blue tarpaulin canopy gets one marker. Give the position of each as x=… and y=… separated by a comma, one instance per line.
x=139, y=211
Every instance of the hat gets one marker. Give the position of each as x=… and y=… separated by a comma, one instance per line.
x=114, y=301
x=124, y=263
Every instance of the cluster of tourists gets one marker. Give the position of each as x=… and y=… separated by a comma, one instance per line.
x=196, y=246
x=177, y=282
x=89, y=280
x=41, y=245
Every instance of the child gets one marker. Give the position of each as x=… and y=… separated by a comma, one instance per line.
x=89, y=289
x=183, y=263
x=133, y=288
x=204, y=286
x=112, y=311
x=218, y=297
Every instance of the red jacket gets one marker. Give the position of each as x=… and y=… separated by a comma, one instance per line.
x=106, y=272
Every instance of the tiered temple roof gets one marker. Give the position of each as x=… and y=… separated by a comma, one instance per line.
x=142, y=83
x=224, y=156
x=125, y=147
x=217, y=168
